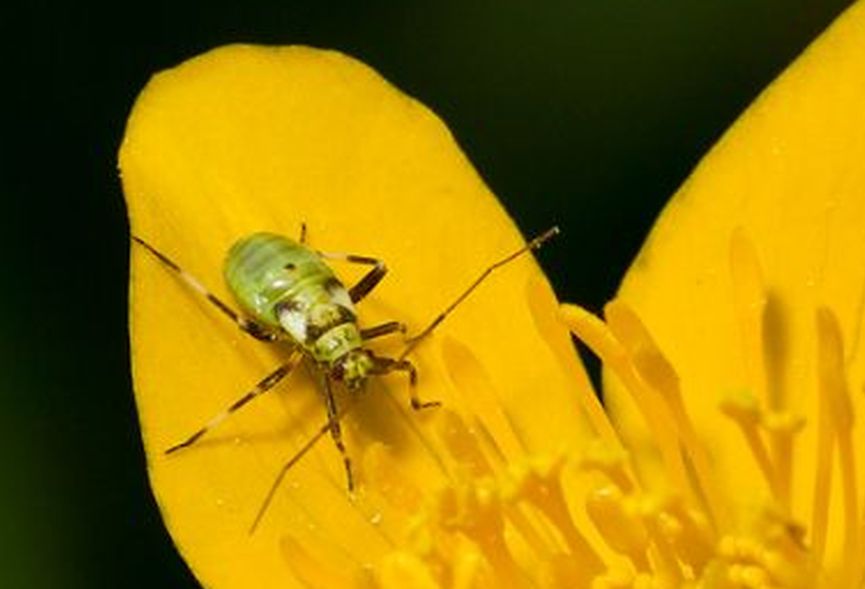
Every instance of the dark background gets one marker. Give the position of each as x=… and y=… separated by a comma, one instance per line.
x=585, y=113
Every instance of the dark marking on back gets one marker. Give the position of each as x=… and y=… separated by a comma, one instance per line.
x=346, y=315
x=315, y=331
x=286, y=305
x=333, y=284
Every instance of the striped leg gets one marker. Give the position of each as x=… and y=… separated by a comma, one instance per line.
x=249, y=326
x=383, y=329
x=369, y=280
x=264, y=385
x=336, y=430
x=387, y=365
x=289, y=464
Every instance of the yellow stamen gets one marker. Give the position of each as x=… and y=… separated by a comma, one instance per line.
x=782, y=428
x=475, y=510
x=749, y=299
x=667, y=565
x=762, y=349
x=837, y=416
x=598, y=337
x=550, y=326
x=485, y=526
x=468, y=374
x=612, y=461
x=743, y=409
x=540, y=484
x=694, y=542
x=619, y=524
x=462, y=446
x=655, y=370
x=822, y=487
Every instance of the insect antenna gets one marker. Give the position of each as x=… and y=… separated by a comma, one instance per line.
x=534, y=244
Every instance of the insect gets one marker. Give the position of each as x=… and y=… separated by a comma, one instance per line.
x=287, y=293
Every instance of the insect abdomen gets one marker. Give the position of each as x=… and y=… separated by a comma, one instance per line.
x=264, y=270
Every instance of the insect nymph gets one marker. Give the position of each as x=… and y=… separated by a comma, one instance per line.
x=288, y=290
x=287, y=293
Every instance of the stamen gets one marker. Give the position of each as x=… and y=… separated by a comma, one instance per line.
x=743, y=409
x=468, y=374
x=654, y=369
x=749, y=298
x=694, y=542
x=475, y=510
x=762, y=348
x=835, y=396
x=595, y=334
x=616, y=519
x=513, y=527
x=550, y=326
x=465, y=449
x=773, y=557
x=539, y=483
x=822, y=487
x=461, y=445
x=530, y=529
x=667, y=563
x=782, y=427
x=592, y=332
x=611, y=461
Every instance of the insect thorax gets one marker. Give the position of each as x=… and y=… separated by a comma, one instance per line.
x=286, y=286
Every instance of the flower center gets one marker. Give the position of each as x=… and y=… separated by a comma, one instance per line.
x=600, y=519
x=765, y=547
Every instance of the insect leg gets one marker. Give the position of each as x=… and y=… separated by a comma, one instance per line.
x=310, y=443
x=386, y=365
x=531, y=245
x=383, y=329
x=336, y=430
x=247, y=325
x=264, y=385
x=302, y=238
x=368, y=281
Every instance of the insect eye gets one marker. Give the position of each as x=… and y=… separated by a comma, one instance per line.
x=290, y=266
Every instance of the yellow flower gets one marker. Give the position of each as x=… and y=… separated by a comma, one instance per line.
x=247, y=139
x=752, y=284
x=731, y=352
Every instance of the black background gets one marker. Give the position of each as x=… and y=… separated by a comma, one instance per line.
x=584, y=113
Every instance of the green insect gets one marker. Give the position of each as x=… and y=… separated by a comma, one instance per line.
x=287, y=293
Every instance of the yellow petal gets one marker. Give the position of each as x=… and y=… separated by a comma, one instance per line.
x=246, y=139
x=788, y=178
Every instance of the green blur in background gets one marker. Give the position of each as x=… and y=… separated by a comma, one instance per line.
x=588, y=114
